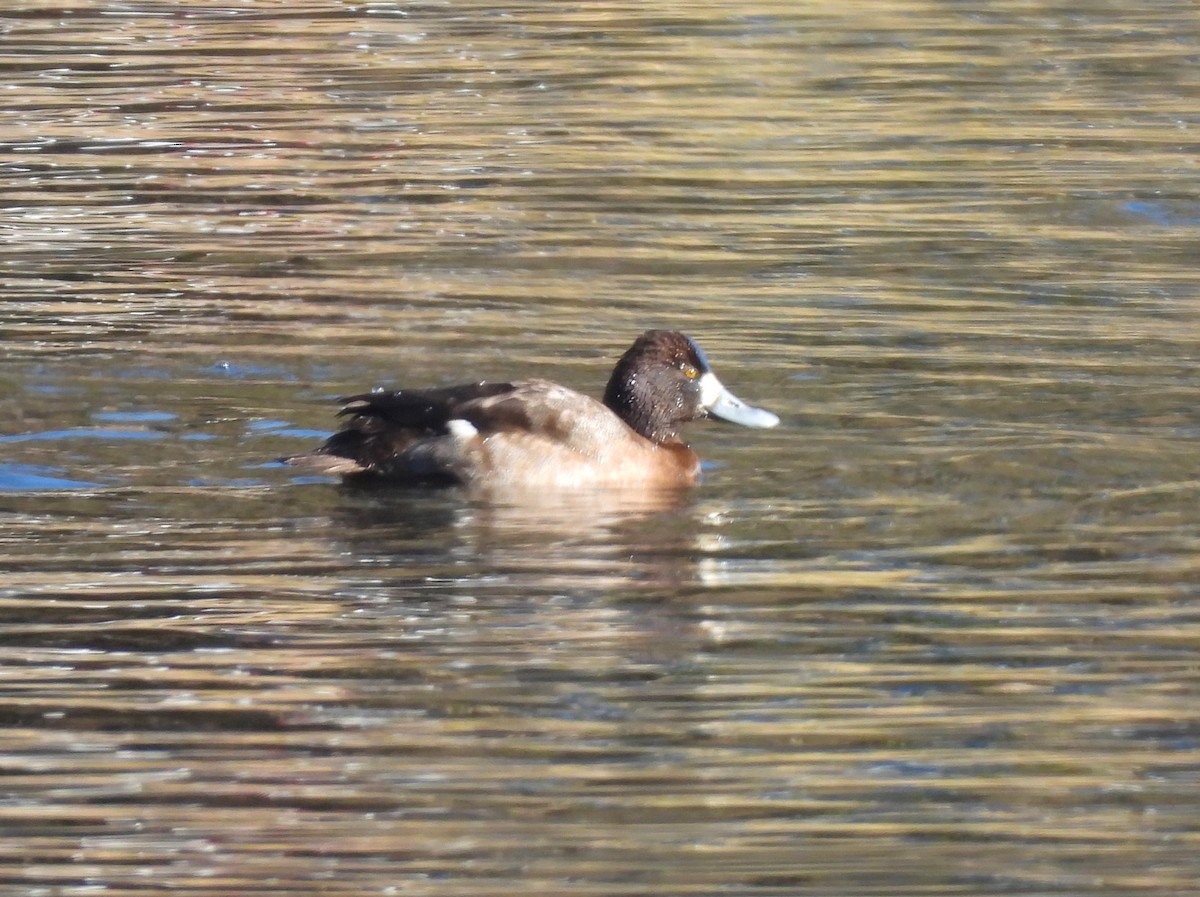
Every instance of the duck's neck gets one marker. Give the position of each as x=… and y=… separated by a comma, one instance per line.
x=631, y=398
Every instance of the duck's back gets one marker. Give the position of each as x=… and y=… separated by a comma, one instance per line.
x=528, y=433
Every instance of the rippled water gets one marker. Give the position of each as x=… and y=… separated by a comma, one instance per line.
x=936, y=634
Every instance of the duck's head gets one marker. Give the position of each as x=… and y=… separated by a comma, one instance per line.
x=664, y=380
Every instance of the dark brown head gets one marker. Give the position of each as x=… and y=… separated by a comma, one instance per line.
x=663, y=381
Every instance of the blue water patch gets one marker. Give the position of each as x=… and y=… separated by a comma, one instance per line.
x=1163, y=214
x=267, y=424
x=142, y=374
x=29, y=478
x=250, y=371
x=906, y=770
x=133, y=417
x=83, y=433
x=285, y=428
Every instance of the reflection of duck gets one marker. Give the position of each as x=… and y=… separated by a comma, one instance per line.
x=534, y=433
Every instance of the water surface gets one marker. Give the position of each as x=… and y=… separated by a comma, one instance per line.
x=936, y=634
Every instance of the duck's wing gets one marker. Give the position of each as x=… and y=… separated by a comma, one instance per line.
x=435, y=434
x=391, y=433
x=419, y=411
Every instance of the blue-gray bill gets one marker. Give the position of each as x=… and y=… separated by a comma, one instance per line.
x=720, y=402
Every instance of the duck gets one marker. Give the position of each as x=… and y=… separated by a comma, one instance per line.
x=538, y=435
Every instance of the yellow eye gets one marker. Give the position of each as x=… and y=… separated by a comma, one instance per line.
x=690, y=372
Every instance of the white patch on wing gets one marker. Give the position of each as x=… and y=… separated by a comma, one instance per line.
x=461, y=429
